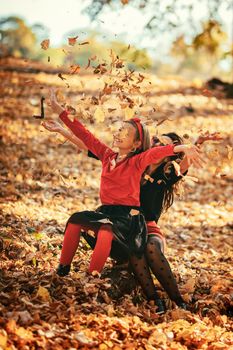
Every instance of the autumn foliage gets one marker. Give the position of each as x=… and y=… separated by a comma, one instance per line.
x=44, y=180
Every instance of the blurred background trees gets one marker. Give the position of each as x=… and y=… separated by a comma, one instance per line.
x=203, y=46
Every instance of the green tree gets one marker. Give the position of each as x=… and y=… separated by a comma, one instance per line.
x=205, y=51
x=16, y=38
x=165, y=15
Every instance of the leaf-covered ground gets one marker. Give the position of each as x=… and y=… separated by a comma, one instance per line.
x=44, y=180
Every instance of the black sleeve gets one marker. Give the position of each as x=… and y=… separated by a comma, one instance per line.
x=92, y=155
x=172, y=178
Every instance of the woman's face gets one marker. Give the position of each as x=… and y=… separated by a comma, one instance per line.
x=124, y=138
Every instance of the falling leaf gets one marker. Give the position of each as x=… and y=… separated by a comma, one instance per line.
x=110, y=110
x=148, y=178
x=99, y=115
x=186, y=136
x=75, y=69
x=129, y=113
x=88, y=63
x=72, y=41
x=162, y=121
x=229, y=152
x=84, y=43
x=124, y=2
x=61, y=76
x=42, y=115
x=45, y=44
x=177, y=168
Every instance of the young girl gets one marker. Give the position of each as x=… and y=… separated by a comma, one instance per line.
x=119, y=216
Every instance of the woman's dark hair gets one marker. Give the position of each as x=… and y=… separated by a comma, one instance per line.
x=169, y=190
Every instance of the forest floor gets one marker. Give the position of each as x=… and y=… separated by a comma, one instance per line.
x=44, y=180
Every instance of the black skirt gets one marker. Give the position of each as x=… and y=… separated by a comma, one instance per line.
x=129, y=231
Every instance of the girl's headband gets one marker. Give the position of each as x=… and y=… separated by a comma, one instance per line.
x=137, y=121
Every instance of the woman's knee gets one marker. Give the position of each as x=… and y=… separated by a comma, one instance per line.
x=155, y=241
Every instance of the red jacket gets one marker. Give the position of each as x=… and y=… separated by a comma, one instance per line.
x=120, y=184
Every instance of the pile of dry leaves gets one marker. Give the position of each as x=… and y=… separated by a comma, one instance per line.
x=44, y=180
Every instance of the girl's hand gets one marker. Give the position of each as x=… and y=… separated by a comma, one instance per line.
x=52, y=125
x=56, y=108
x=215, y=136
x=192, y=153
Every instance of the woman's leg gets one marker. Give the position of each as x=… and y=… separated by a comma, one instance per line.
x=143, y=275
x=102, y=248
x=161, y=269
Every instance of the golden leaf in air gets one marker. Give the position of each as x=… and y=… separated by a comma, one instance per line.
x=99, y=115
x=230, y=151
x=177, y=168
x=43, y=293
x=148, y=178
x=129, y=113
x=45, y=44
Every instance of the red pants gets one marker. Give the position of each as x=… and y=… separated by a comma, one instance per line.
x=154, y=229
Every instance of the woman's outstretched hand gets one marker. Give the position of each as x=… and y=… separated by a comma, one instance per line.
x=192, y=153
x=52, y=125
x=54, y=105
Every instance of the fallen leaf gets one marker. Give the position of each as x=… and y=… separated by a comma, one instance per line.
x=43, y=293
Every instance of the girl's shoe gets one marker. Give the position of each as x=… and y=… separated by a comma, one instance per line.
x=63, y=270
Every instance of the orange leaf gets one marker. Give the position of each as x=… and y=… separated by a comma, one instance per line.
x=72, y=41
x=45, y=44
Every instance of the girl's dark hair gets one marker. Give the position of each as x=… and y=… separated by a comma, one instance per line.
x=169, y=190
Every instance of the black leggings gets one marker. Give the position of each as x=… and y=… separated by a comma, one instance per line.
x=155, y=260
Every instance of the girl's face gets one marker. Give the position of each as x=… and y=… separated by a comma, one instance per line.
x=124, y=138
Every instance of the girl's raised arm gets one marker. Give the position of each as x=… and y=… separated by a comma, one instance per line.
x=55, y=126
x=90, y=141
x=155, y=154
